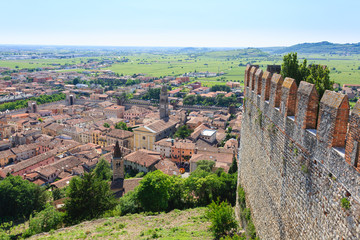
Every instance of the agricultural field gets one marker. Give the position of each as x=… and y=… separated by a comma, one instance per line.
x=186, y=224
x=40, y=63
x=343, y=69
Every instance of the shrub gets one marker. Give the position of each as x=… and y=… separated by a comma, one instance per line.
x=250, y=230
x=129, y=203
x=345, y=203
x=241, y=198
x=222, y=219
x=44, y=221
x=304, y=168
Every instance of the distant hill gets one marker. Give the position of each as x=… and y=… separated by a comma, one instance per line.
x=317, y=48
x=236, y=53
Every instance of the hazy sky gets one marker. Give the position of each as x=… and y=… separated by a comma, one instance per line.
x=198, y=23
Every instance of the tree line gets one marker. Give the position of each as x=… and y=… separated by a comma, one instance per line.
x=39, y=100
x=220, y=100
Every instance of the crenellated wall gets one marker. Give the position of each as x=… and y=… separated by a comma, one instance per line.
x=299, y=157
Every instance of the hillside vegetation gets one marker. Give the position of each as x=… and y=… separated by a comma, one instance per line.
x=319, y=48
x=186, y=224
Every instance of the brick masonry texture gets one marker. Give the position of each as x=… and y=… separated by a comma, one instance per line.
x=295, y=176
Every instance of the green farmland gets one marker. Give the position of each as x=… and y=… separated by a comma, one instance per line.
x=343, y=69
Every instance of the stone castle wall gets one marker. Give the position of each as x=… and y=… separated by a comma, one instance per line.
x=298, y=159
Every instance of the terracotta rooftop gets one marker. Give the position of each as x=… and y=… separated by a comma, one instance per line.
x=167, y=167
x=62, y=182
x=143, y=157
x=29, y=162
x=120, y=134
x=160, y=125
x=130, y=184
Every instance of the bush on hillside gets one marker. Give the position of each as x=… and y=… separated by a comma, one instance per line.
x=44, y=221
x=222, y=219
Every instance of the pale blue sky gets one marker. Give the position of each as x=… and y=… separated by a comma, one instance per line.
x=197, y=23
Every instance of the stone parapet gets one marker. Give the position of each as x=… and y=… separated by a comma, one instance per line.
x=297, y=164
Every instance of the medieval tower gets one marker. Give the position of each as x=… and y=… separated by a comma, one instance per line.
x=117, y=184
x=164, y=103
x=70, y=98
x=32, y=107
x=118, y=163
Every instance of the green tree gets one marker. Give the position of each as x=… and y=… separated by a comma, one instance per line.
x=76, y=81
x=222, y=219
x=233, y=168
x=182, y=132
x=291, y=68
x=204, y=186
x=177, y=194
x=152, y=94
x=227, y=192
x=319, y=75
x=316, y=74
x=58, y=193
x=123, y=126
x=19, y=198
x=205, y=165
x=189, y=100
x=153, y=192
x=89, y=197
x=103, y=170
x=216, y=88
x=106, y=125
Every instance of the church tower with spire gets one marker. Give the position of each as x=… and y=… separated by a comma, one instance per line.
x=164, y=103
x=117, y=184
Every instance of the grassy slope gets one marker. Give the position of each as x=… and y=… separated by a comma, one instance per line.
x=187, y=224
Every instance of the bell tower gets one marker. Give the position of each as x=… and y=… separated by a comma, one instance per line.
x=164, y=103
x=118, y=163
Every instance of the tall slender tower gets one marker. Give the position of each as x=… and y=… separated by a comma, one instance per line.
x=118, y=163
x=164, y=103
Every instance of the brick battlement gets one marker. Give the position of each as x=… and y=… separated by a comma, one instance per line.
x=332, y=124
x=298, y=158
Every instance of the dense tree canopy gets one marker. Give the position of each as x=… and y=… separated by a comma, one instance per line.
x=39, y=100
x=123, y=126
x=152, y=94
x=220, y=100
x=160, y=192
x=216, y=88
x=182, y=132
x=153, y=192
x=319, y=75
x=103, y=170
x=89, y=197
x=19, y=198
